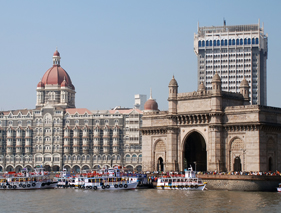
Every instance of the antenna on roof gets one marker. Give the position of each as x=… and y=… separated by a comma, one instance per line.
x=224, y=22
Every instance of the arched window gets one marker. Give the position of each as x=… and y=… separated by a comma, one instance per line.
x=253, y=41
x=104, y=157
x=249, y=41
x=222, y=42
x=99, y=157
x=245, y=41
x=257, y=41
x=218, y=42
x=64, y=158
x=128, y=158
x=233, y=41
x=215, y=43
x=199, y=43
x=88, y=157
x=225, y=42
x=83, y=158
x=94, y=158
x=207, y=43
x=140, y=158
x=237, y=41
x=211, y=44
x=134, y=158
x=203, y=43
x=241, y=41
x=118, y=157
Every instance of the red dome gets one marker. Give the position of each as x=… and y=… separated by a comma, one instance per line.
x=56, y=75
x=63, y=84
x=40, y=84
x=57, y=53
x=150, y=104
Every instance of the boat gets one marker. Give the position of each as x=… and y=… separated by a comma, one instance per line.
x=189, y=181
x=279, y=188
x=105, y=179
x=65, y=179
x=39, y=179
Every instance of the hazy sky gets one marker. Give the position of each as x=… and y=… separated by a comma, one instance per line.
x=113, y=50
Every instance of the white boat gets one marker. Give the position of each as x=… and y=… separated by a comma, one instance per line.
x=187, y=182
x=106, y=179
x=65, y=179
x=279, y=188
x=25, y=180
x=109, y=183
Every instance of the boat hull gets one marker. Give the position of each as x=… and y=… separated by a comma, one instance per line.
x=186, y=187
x=112, y=187
x=28, y=186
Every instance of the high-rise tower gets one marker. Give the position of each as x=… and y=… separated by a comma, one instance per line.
x=234, y=52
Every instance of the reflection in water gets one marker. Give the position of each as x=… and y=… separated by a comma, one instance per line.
x=152, y=200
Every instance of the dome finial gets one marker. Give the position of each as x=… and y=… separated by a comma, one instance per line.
x=150, y=93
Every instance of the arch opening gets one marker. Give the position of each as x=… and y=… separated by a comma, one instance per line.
x=237, y=164
x=160, y=164
x=270, y=164
x=195, y=153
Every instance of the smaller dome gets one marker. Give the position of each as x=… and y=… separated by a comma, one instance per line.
x=40, y=84
x=216, y=78
x=64, y=83
x=173, y=82
x=150, y=105
x=244, y=83
x=57, y=53
x=201, y=87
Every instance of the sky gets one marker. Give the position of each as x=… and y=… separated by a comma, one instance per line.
x=113, y=50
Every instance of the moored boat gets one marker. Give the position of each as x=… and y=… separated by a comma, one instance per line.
x=187, y=182
x=25, y=180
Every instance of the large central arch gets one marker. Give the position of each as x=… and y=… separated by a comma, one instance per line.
x=194, y=152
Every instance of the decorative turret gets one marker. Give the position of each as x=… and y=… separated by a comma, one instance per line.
x=244, y=90
x=216, y=101
x=56, y=58
x=173, y=94
x=216, y=84
x=201, y=87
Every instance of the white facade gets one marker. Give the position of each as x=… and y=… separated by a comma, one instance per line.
x=234, y=52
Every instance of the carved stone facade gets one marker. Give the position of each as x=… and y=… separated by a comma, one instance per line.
x=212, y=130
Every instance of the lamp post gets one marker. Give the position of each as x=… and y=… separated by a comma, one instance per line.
x=195, y=164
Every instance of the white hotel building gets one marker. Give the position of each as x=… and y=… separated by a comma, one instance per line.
x=234, y=52
x=57, y=135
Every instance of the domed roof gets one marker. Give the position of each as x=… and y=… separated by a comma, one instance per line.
x=63, y=84
x=56, y=75
x=56, y=53
x=40, y=84
x=201, y=87
x=216, y=78
x=173, y=82
x=244, y=83
x=150, y=104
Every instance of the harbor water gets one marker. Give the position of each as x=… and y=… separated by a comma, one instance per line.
x=140, y=200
